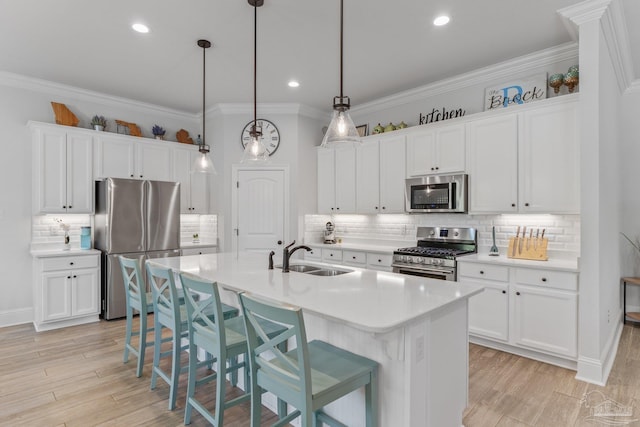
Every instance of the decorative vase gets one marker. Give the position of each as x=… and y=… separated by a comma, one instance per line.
x=556, y=81
x=98, y=127
x=378, y=129
x=160, y=137
x=573, y=68
x=390, y=127
x=571, y=80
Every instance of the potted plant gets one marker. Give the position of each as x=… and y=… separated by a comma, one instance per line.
x=99, y=122
x=158, y=131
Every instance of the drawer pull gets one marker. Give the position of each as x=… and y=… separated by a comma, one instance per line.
x=75, y=276
x=71, y=263
x=504, y=292
x=330, y=254
x=517, y=293
x=353, y=257
x=481, y=272
x=544, y=279
x=379, y=260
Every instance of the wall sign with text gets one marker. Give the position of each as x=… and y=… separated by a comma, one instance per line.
x=520, y=91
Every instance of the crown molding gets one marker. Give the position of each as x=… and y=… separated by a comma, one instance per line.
x=498, y=71
x=62, y=90
x=584, y=12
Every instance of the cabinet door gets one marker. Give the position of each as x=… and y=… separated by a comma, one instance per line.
x=84, y=292
x=420, y=153
x=50, y=167
x=493, y=164
x=153, y=161
x=114, y=157
x=345, y=162
x=182, y=174
x=549, y=160
x=79, y=174
x=56, y=295
x=450, y=147
x=489, y=311
x=326, y=180
x=545, y=319
x=199, y=251
x=392, y=174
x=368, y=178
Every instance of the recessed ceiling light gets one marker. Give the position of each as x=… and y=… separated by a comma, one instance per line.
x=441, y=20
x=293, y=83
x=141, y=28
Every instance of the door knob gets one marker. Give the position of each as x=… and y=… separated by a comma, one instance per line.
x=279, y=242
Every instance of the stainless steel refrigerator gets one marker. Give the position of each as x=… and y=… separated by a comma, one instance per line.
x=137, y=219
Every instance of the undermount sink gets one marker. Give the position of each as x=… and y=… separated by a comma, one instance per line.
x=328, y=272
x=300, y=268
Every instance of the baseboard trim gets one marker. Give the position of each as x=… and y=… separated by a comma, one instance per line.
x=16, y=317
x=530, y=354
x=65, y=323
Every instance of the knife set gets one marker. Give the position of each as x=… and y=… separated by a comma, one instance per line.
x=533, y=246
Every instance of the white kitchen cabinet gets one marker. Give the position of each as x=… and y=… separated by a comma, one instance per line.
x=194, y=187
x=119, y=156
x=336, y=179
x=550, y=159
x=492, y=147
x=199, y=251
x=378, y=261
x=436, y=151
x=355, y=258
x=66, y=290
x=380, y=176
x=62, y=170
x=523, y=308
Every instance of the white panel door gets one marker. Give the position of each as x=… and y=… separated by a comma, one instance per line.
x=493, y=164
x=392, y=174
x=261, y=210
x=51, y=166
x=368, y=178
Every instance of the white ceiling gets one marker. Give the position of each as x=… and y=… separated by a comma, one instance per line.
x=389, y=46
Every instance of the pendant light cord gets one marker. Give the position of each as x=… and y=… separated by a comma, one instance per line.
x=204, y=74
x=341, y=43
x=255, y=65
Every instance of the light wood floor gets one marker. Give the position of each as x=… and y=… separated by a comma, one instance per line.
x=75, y=377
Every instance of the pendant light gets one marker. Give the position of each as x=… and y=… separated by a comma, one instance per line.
x=203, y=163
x=255, y=151
x=341, y=129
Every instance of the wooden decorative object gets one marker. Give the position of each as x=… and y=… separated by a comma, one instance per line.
x=183, y=136
x=64, y=116
x=134, y=129
x=528, y=248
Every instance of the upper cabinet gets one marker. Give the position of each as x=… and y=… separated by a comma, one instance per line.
x=62, y=170
x=194, y=187
x=337, y=180
x=436, y=151
x=380, y=175
x=120, y=156
x=525, y=162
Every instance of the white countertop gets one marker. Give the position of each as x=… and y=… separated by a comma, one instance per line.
x=551, y=264
x=192, y=245
x=369, y=300
x=56, y=252
x=356, y=247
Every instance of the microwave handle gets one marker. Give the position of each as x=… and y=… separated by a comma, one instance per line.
x=452, y=195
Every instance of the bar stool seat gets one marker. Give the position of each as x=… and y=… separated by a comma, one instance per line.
x=308, y=377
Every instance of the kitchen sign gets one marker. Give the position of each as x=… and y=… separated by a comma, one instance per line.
x=437, y=114
x=522, y=91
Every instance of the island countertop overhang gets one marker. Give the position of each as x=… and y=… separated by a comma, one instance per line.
x=369, y=300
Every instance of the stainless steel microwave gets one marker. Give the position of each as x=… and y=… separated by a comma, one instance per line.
x=437, y=193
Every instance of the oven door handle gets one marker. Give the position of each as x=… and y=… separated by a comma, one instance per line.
x=423, y=270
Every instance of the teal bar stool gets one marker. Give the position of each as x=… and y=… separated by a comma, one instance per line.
x=172, y=315
x=308, y=377
x=224, y=340
x=139, y=300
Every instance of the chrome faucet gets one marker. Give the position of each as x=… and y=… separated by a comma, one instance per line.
x=271, y=254
x=286, y=254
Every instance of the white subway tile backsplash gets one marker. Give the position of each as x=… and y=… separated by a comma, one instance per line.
x=563, y=231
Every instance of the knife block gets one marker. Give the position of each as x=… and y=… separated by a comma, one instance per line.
x=532, y=248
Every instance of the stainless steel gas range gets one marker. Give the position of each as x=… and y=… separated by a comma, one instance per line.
x=436, y=252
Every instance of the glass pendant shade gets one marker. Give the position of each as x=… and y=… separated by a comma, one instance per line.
x=341, y=130
x=255, y=151
x=203, y=164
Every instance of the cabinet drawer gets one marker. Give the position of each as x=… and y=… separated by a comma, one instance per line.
x=550, y=279
x=379, y=260
x=314, y=254
x=332, y=255
x=354, y=257
x=497, y=273
x=70, y=262
x=199, y=251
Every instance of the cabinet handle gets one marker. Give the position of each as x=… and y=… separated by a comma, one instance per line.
x=544, y=279
x=74, y=276
x=437, y=168
x=431, y=168
x=131, y=175
x=504, y=292
x=353, y=257
x=140, y=176
x=481, y=272
x=64, y=207
x=376, y=208
x=517, y=293
x=384, y=207
x=526, y=204
x=379, y=260
x=337, y=209
x=513, y=205
x=331, y=208
x=279, y=242
x=71, y=263
x=70, y=206
x=330, y=254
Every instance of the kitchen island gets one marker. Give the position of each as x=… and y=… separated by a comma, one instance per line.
x=416, y=328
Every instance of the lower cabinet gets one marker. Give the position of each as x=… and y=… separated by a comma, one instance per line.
x=66, y=290
x=533, y=309
x=199, y=251
x=352, y=257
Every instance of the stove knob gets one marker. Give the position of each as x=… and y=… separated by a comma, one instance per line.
x=438, y=262
x=419, y=260
x=428, y=261
x=410, y=260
